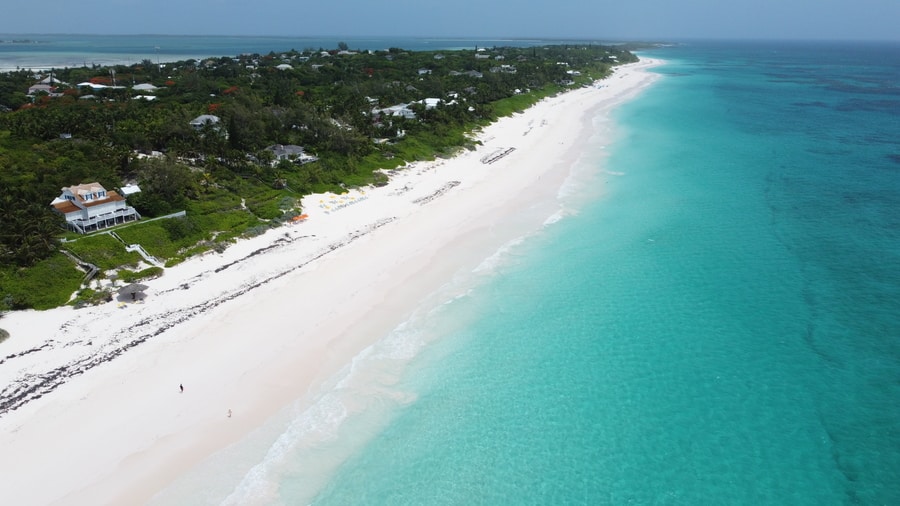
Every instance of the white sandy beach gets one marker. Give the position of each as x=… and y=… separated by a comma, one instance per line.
x=90, y=407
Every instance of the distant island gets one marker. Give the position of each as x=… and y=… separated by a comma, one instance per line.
x=229, y=145
x=20, y=41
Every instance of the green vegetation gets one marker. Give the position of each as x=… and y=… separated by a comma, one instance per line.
x=89, y=297
x=132, y=277
x=103, y=251
x=46, y=284
x=354, y=113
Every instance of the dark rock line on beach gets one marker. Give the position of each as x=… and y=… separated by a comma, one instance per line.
x=34, y=386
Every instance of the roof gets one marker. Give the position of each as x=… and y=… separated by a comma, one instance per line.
x=397, y=110
x=65, y=207
x=34, y=88
x=85, y=188
x=204, y=119
x=51, y=80
x=98, y=86
x=111, y=196
x=65, y=204
x=130, y=189
x=281, y=150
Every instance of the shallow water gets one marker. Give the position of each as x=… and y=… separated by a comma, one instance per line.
x=716, y=322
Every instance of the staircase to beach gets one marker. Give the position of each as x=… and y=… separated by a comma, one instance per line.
x=152, y=260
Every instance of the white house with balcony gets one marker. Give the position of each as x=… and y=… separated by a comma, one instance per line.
x=90, y=207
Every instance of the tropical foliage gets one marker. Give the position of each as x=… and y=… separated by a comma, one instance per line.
x=334, y=103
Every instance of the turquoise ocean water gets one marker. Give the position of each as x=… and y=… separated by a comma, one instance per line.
x=717, y=323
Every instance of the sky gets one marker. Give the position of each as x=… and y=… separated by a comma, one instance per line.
x=656, y=20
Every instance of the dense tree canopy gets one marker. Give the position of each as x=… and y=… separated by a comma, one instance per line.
x=339, y=105
x=28, y=229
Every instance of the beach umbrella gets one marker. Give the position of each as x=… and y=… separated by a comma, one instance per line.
x=133, y=289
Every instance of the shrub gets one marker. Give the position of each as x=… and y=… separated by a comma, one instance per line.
x=49, y=283
x=181, y=228
x=89, y=297
x=103, y=250
x=149, y=273
x=255, y=231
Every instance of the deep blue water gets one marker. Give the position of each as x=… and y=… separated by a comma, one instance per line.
x=721, y=325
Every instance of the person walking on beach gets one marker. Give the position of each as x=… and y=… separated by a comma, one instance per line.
x=181, y=387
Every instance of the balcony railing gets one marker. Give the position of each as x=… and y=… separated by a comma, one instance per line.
x=105, y=220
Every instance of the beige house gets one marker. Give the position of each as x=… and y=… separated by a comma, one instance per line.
x=90, y=207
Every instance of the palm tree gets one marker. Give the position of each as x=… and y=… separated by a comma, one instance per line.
x=29, y=231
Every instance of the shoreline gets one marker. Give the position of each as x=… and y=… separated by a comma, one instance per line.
x=116, y=429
